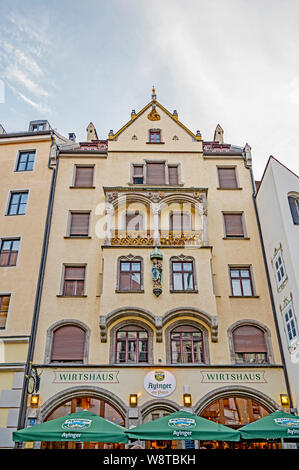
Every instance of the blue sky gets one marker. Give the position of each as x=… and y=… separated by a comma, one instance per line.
x=233, y=62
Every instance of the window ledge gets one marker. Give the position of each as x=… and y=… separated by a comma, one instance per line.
x=78, y=237
x=71, y=296
x=229, y=189
x=129, y=291
x=244, y=296
x=236, y=238
x=82, y=187
x=195, y=291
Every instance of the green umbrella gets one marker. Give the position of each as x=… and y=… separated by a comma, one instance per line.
x=75, y=427
x=277, y=425
x=183, y=425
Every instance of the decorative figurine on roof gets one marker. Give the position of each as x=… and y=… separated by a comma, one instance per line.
x=153, y=115
x=156, y=258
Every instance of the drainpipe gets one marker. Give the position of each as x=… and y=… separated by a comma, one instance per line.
x=38, y=295
x=269, y=285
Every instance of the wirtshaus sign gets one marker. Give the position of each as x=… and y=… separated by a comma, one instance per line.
x=246, y=376
x=95, y=377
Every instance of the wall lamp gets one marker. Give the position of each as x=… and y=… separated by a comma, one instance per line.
x=34, y=400
x=284, y=400
x=187, y=399
x=133, y=400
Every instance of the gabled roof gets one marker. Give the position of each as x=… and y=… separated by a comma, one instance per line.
x=271, y=158
x=154, y=102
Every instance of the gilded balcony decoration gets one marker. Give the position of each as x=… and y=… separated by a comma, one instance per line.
x=167, y=238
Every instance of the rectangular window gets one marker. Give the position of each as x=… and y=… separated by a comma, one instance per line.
x=130, y=276
x=134, y=221
x=182, y=275
x=279, y=268
x=233, y=225
x=290, y=323
x=9, y=252
x=18, y=203
x=74, y=279
x=241, y=282
x=173, y=174
x=84, y=176
x=227, y=178
x=4, y=305
x=79, y=226
x=180, y=221
x=137, y=174
x=26, y=161
x=155, y=173
x=155, y=137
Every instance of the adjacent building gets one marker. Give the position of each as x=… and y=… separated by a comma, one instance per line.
x=278, y=206
x=155, y=292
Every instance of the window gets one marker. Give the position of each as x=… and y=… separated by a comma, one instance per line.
x=227, y=178
x=130, y=276
x=155, y=136
x=173, y=174
x=182, y=275
x=279, y=268
x=74, y=279
x=18, y=203
x=26, y=161
x=131, y=345
x=233, y=225
x=294, y=207
x=84, y=176
x=138, y=174
x=249, y=345
x=241, y=282
x=4, y=305
x=186, y=345
x=79, y=226
x=290, y=323
x=68, y=344
x=180, y=221
x=9, y=252
x=155, y=173
x=134, y=221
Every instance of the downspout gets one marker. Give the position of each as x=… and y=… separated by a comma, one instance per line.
x=269, y=284
x=38, y=295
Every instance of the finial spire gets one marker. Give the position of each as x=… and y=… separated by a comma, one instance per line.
x=154, y=96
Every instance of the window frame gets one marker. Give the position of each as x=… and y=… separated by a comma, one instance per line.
x=154, y=132
x=277, y=271
x=182, y=340
x=244, y=353
x=69, y=224
x=76, y=166
x=131, y=260
x=13, y=239
x=4, y=294
x=250, y=277
x=228, y=167
x=285, y=310
x=9, y=204
x=144, y=173
x=135, y=213
x=295, y=217
x=24, y=151
x=127, y=341
x=62, y=288
x=234, y=237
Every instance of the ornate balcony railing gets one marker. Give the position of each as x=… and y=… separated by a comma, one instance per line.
x=147, y=238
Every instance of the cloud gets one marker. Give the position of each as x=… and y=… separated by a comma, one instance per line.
x=15, y=74
x=38, y=106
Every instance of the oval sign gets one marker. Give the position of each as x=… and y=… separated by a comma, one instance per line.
x=159, y=383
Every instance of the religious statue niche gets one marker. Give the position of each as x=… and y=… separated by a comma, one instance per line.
x=156, y=258
x=153, y=115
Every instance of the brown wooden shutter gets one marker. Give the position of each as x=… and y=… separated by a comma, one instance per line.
x=79, y=224
x=84, y=176
x=155, y=173
x=180, y=222
x=134, y=221
x=249, y=339
x=173, y=175
x=74, y=273
x=227, y=178
x=233, y=225
x=68, y=344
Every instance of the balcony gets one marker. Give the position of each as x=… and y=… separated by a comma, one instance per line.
x=162, y=238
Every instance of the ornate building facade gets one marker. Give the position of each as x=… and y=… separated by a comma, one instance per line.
x=155, y=294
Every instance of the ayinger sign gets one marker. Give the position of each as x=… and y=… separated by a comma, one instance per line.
x=159, y=383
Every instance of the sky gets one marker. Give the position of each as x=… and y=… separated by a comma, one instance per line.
x=232, y=62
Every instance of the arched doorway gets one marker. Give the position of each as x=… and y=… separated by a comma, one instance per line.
x=236, y=411
x=94, y=405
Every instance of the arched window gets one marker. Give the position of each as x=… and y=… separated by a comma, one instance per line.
x=294, y=207
x=186, y=343
x=68, y=344
x=250, y=345
x=131, y=345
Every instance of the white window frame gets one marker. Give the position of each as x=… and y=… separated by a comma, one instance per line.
x=280, y=280
x=286, y=310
